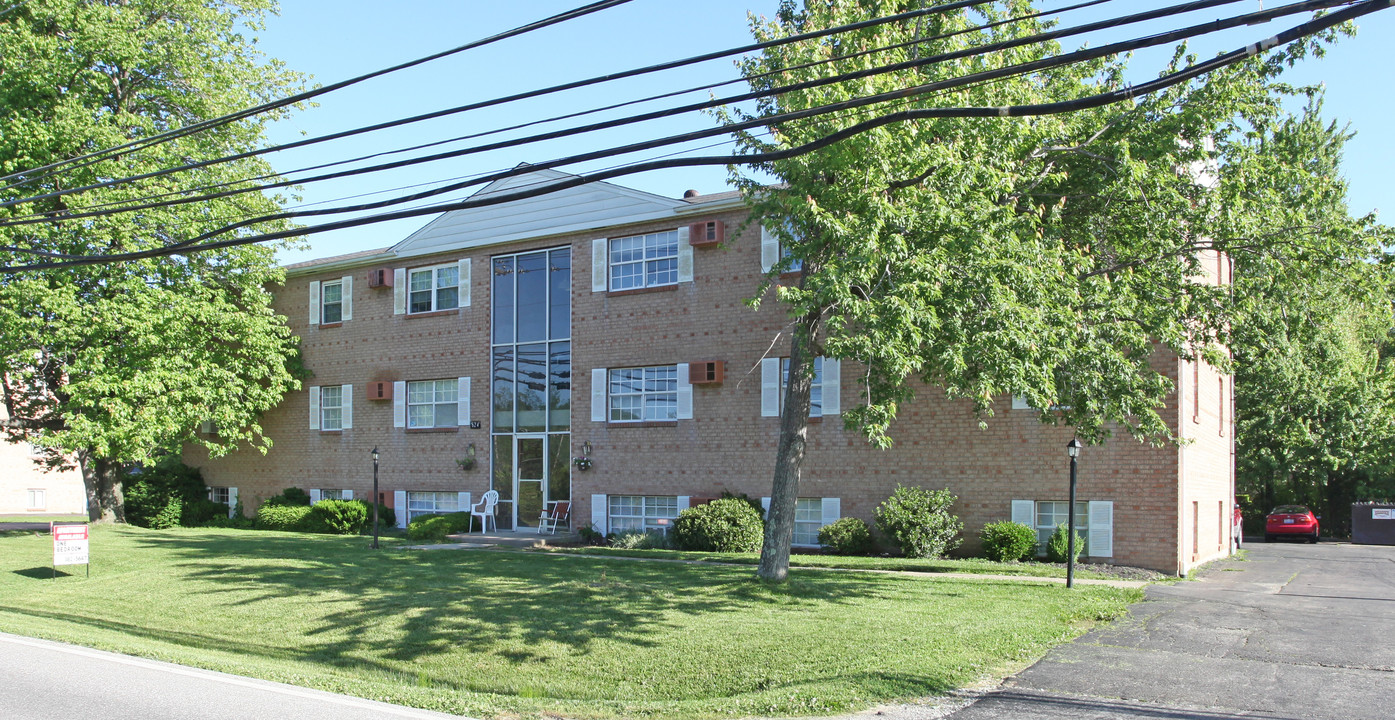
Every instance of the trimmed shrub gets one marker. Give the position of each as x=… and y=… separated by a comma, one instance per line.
x=919, y=522
x=198, y=513
x=289, y=496
x=640, y=540
x=848, y=536
x=1008, y=541
x=753, y=502
x=148, y=491
x=435, y=528
x=337, y=517
x=723, y=525
x=291, y=518
x=1059, y=545
x=387, y=518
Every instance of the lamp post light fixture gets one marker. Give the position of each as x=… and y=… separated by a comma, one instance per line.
x=1073, y=450
x=375, y=497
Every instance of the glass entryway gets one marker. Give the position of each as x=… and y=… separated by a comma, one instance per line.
x=530, y=383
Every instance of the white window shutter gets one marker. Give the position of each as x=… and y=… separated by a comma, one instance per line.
x=685, y=256
x=684, y=502
x=600, y=265
x=832, y=510
x=314, y=407
x=765, y=505
x=462, y=502
x=399, y=404
x=232, y=501
x=399, y=291
x=348, y=494
x=770, y=387
x=347, y=295
x=399, y=506
x=599, y=518
x=769, y=250
x=347, y=413
x=314, y=496
x=1101, y=531
x=832, y=386
x=462, y=402
x=685, y=393
x=464, y=291
x=315, y=303
x=1022, y=512
x=598, y=394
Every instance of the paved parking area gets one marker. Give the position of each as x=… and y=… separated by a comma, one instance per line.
x=1295, y=631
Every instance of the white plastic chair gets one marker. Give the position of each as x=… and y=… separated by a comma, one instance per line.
x=484, y=510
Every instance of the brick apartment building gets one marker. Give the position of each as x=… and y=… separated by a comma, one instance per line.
x=608, y=322
x=28, y=487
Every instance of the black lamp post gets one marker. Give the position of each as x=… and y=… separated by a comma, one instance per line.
x=1073, y=450
x=375, y=495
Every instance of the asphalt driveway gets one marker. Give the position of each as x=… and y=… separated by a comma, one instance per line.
x=1295, y=631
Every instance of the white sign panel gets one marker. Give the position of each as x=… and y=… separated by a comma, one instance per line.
x=1382, y=514
x=69, y=545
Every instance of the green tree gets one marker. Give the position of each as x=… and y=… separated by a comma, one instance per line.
x=1315, y=384
x=1042, y=256
x=118, y=364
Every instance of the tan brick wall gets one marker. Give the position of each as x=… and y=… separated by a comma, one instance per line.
x=19, y=473
x=727, y=446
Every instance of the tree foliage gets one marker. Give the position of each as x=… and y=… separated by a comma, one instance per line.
x=1049, y=257
x=119, y=363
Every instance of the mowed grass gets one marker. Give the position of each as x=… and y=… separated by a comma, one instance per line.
x=10, y=519
x=489, y=633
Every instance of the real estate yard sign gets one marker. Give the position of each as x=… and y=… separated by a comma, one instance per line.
x=70, y=546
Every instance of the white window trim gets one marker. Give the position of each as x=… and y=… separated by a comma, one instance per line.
x=433, y=404
x=656, y=522
x=436, y=506
x=220, y=494
x=1082, y=519
x=435, y=289
x=30, y=494
x=325, y=408
x=643, y=395
x=643, y=262
x=324, y=301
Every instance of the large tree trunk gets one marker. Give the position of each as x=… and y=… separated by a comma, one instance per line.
x=105, y=502
x=789, y=459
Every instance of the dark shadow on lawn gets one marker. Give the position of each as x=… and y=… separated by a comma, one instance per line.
x=42, y=573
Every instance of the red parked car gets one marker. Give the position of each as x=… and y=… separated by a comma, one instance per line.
x=1291, y=521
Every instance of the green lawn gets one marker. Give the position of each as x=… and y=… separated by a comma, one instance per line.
x=976, y=566
x=41, y=518
x=489, y=633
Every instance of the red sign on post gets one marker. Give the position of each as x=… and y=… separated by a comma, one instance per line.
x=69, y=546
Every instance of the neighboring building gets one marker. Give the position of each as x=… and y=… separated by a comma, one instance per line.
x=28, y=487
x=607, y=318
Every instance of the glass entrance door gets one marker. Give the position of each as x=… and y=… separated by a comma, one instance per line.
x=530, y=478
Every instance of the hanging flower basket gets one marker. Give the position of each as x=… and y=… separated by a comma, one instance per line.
x=582, y=463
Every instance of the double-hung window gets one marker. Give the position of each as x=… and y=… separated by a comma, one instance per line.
x=431, y=503
x=332, y=302
x=327, y=494
x=641, y=394
x=434, y=288
x=644, y=261
x=220, y=495
x=1051, y=513
x=808, y=520
x=795, y=264
x=432, y=403
x=641, y=513
x=815, y=393
x=36, y=500
x=332, y=407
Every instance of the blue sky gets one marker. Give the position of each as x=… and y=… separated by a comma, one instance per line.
x=341, y=39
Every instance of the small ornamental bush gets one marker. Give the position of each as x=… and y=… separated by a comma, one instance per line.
x=168, y=516
x=435, y=528
x=289, y=496
x=337, y=517
x=1058, y=546
x=387, y=518
x=291, y=518
x=1008, y=541
x=640, y=540
x=723, y=525
x=847, y=536
x=591, y=536
x=919, y=522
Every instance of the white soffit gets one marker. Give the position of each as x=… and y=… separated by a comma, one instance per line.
x=584, y=207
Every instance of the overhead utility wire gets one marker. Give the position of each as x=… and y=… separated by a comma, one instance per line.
x=1302, y=30
x=121, y=206
x=905, y=65
x=99, y=155
x=512, y=98
x=73, y=213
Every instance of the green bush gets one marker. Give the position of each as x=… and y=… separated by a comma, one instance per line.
x=723, y=525
x=148, y=491
x=289, y=496
x=743, y=497
x=919, y=522
x=1058, y=546
x=1008, y=541
x=591, y=536
x=847, y=536
x=337, y=517
x=283, y=517
x=198, y=513
x=387, y=519
x=168, y=516
x=640, y=540
x=435, y=528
